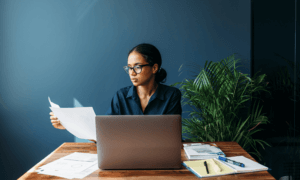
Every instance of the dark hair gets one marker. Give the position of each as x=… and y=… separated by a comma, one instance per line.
x=152, y=56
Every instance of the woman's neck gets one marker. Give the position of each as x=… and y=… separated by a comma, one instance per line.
x=146, y=91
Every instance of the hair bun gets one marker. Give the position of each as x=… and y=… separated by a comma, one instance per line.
x=152, y=56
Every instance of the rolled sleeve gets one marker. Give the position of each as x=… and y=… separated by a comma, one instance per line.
x=175, y=104
x=114, y=108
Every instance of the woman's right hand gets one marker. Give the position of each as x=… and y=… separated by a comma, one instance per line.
x=55, y=122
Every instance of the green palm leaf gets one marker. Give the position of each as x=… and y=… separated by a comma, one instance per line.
x=216, y=96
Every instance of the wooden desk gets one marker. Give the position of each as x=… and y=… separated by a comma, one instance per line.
x=229, y=148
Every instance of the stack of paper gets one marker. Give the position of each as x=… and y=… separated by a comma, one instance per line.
x=79, y=121
x=75, y=165
x=202, y=151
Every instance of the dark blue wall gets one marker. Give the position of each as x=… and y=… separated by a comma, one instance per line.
x=76, y=49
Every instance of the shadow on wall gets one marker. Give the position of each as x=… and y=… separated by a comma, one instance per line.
x=76, y=139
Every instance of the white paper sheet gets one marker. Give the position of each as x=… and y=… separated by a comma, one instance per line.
x=250, y=165
x=201, y=149
x=53, y=104
x=75, y=165
x=79, y=175
x=79, y=121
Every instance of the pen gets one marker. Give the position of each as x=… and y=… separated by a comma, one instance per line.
x=231, y=161
x=205, y=164
x=218, y=153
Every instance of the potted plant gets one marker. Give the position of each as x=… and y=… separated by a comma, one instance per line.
x=218, y=92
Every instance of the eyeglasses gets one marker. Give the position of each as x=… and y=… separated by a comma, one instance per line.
x=137, y=69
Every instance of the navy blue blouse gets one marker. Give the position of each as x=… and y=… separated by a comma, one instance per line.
x=165, y=100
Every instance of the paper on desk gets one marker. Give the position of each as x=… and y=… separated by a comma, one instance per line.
x=55, y=173
x=201, y=149
x=79, y=121
x=250, y=165
x=67, y=175
x=69, y=166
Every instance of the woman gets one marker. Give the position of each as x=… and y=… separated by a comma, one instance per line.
x=147, y=96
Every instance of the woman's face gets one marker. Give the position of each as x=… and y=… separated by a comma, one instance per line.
x=148, y=72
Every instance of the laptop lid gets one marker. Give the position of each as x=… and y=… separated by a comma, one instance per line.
x=139, y=141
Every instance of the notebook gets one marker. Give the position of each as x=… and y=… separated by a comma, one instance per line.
x=202, y=151
x=197, y=167
x=139, y=141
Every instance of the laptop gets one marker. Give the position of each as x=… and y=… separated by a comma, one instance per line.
x=139, y=141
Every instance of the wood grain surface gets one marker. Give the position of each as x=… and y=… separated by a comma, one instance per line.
x=229, y=148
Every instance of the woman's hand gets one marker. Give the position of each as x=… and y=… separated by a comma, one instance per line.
x=55, y=122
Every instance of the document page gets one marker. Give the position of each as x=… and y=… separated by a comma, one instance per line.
x=201, y=149
x=79, y=121
x=75, y=165
x=53, y=104
x=250, y=165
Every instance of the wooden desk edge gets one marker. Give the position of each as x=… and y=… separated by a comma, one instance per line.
x=24, y=176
